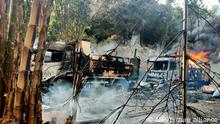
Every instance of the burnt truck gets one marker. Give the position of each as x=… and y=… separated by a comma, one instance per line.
x=168, y=69
x=59, y=64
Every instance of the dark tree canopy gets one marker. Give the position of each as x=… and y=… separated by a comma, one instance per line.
x=98, y=20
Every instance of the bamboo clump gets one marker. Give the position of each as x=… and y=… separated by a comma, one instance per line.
x=21, y=92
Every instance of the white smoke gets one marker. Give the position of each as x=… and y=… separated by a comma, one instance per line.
x=127, y=50
x=94, y=103
x=206, y=38
x=53, y=102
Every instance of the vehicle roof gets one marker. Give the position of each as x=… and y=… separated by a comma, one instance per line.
x=163, y=59
x=58, y=46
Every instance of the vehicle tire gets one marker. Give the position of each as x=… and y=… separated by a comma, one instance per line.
x=121, y=86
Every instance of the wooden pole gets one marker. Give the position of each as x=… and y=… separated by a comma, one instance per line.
x=77, y=77
x=184, y=58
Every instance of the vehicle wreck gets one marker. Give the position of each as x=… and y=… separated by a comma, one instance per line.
x=59, y=61
x=167, y=69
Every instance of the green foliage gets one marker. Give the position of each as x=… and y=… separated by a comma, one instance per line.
x=196, y=24
x=27, y=10
x=69, y=20
x=157, y=23
x=53, y=28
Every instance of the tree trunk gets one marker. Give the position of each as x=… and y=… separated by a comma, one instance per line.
x=25, y=64
x=2, y=53
x=34, y=115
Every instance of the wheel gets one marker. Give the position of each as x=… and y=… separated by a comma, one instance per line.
x=121, y=85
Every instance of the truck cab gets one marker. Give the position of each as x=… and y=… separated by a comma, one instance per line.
x=57, y=56
x=168, y=70
x=163, y=70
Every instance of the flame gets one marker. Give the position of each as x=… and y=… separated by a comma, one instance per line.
x=192, y=64
x=201, y=56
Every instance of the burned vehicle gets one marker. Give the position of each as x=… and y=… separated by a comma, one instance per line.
x=53, y=60
x=113, y=70
x=167, y=69
x=59, y=63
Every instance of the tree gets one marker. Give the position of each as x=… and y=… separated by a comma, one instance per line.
x=69, y=20
x=148, y=18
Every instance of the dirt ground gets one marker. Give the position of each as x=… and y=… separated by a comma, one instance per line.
x=96, y=103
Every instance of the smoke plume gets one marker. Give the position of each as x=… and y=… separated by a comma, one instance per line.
x=207, y=38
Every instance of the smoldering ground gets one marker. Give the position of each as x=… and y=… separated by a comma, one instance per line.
x=95, y=101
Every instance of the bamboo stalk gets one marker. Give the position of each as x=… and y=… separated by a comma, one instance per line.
x=34, y=115
x=11, y=35
x=39, y=101
x=2, y=52
x=16, y=52
x=8, y=65
x=24, y=67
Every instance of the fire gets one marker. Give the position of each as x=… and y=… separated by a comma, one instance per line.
x=201, y=56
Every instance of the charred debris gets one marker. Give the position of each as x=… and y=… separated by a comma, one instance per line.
x=159, y=85
x=178, y=84
x=67, y=83
x=59, y=64
x=166, y=92
x=174, y=88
